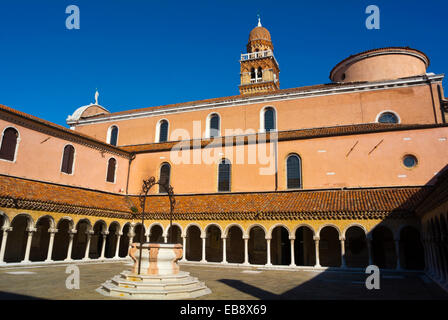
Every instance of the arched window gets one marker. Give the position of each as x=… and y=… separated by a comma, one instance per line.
x=214, y=125
x=224, y=175
x=388, y=117
x=113, y=135
x=111, y=166
x=293, y=172
x=252, y=73
x=260, y=73
x=163, y=131
x=9, y=144
x=165, y=172
x=269, y=119
x=67, y=159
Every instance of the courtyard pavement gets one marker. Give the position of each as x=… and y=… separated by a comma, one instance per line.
x=226, y=283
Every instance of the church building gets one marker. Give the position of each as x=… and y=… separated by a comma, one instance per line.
x=338, y=175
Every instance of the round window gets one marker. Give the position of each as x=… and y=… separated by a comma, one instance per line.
x=388, y=117
x=409, y=161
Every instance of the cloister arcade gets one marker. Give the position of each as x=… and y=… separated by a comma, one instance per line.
x=435, y=244
x=24, y=240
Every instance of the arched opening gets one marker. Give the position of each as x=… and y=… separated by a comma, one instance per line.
x=269, y=119
x=96, y=241
x=257, y=246
x=174, y=234
x=41, y=240
x=304, y=248
x=213, y=244
x=329, y=247
x=259, y=73
x=112, y=240
x=17, y=238
x=9, y=144
x=156, y=234
x=252, y=73
x=124, y=241
x=235, y=245
x=356, y=250
x=383, y=248
x=80, y=239
x=139, y=233
x=388, y=117
x=111, y=165
x=61, y=240
x=163, y=133
x=194, y=244
x=164, y=178
x=224, y=175
x=113, y=139
x=280, y=246
x=293, y=172
x=67, y=159
x=214, y=125
x=411, y=249
x=444, y=242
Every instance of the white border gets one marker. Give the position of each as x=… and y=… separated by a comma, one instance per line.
x=286, y=171
x=109, y=134
x=157, y=137
x=207, y=124
x=262, y=112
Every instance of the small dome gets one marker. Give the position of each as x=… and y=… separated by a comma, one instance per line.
x=259, y=33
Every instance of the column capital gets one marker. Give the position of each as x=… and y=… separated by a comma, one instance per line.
x=223, y=237
x=105, y=233
x=245, y=237
x=31, y=229
x=342, y=238
x=268, y=238
x=90, y=232
x=53, y=230
x=72, y=232
x=292, y=238
x=316, y=238
x=119, y=233
x=7, y=229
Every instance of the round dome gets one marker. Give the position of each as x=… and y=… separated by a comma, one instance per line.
x=381, y=64
x=259, y=33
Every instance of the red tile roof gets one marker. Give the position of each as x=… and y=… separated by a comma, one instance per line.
x=303, y=204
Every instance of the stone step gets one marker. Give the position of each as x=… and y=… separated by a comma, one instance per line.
x=155, y=278
x=163, y=286
x=112, y=290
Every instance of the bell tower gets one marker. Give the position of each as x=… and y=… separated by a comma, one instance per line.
x=259, y=68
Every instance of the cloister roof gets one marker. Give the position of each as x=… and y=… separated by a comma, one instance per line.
x=365, y=203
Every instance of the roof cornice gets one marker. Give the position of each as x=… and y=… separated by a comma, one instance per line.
x=281, y=95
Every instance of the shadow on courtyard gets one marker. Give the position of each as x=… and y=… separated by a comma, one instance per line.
x=14, y=296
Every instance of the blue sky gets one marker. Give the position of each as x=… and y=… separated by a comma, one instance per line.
x=148, y=53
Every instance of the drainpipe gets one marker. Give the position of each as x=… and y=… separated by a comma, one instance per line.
x=129, y=170
x=443, y=103
x=432, y=98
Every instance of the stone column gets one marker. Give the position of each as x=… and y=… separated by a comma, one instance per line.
x=70, y=245
x=117, y=248
x=131, y=237
x=224, y=250
x=28, y=245
x=293, y=260
x=50, y=245
x=343, y=262
x=147, y=237
x=103, y=245
x=86, y=255
x=203, y=248
x=316, y=246
x=184, y=244
x=246, y=250
x=397, y=250
x=165, y=238
x=4, y=239
x=268, y=240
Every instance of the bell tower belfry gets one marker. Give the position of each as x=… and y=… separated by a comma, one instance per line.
x=259, y=68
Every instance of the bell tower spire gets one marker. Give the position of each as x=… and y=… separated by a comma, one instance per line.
x=259, y=68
